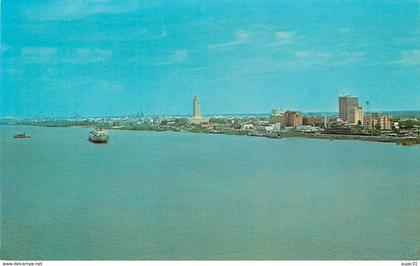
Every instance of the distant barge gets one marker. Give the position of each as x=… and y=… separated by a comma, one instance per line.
x=21, y=136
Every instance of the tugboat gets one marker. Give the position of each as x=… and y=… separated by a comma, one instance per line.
x=21, y=136
x=99, y=135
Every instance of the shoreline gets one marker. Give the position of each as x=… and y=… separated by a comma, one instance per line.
x=404, y=141
x=385, y=139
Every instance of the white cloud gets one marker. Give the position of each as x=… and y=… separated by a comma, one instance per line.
x=240, y=38
x=137, y=33
x=42, y=55
x=180, y=55
x=175, y=57
x=293, y=61
x=282, y=38
x=11, y=71
x=109, y=86
x=4, y=48
x=410, y=57
x=74, y=9
x=351, y=57
x=163, y=34
x=344, y=30
x=52, y=55
x=312, y=56
x=87, y=55
x=306, y=58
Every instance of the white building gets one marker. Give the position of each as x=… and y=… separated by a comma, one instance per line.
x=278, y=111
x=277, y=127
x=196, y=107
x=196, y=117
x=247, y=126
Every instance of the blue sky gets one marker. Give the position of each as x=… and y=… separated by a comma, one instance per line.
x=104, y=57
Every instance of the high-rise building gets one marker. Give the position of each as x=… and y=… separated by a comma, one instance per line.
x=196, y=107
x=358, y=116
x=196, y=118
x=349, y=110
x=325, y=121
x=292, y=118
x=277, y=116
x=347, y=104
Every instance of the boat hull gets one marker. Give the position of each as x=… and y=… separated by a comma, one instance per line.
x=99, y=139
x=94, y=138
x=21, y=136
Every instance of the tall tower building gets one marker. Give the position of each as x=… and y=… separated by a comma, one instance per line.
x=196, y=107
x=325, y=121
x=347, y=105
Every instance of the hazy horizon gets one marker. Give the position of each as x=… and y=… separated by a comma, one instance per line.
x=204, y=114
x=101, y=58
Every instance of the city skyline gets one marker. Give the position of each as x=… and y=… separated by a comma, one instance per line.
x=99, y=58
x=196, y=111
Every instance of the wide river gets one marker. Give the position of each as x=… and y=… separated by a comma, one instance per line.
x=174, y=195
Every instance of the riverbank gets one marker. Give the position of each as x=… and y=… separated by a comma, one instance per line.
x=404, y=141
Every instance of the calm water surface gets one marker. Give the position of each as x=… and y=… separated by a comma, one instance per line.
x=168, y=195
